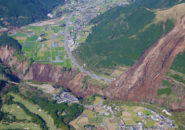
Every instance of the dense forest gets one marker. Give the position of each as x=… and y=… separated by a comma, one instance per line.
x=5, y=40
x=5, y=73
x=21, y=12
x=120, y=36
x=179, y=63
x=152, y=4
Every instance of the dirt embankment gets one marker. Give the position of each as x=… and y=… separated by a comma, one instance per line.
x=7, y=56
x=47, y=73
x=141, y=81
x=71, y=80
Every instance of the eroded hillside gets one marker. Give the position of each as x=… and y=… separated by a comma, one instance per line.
x=141, y=81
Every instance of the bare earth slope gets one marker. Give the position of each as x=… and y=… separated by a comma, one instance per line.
x=47, y=73
x=141, y=81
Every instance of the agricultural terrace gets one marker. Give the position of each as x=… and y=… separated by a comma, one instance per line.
x=44, y=44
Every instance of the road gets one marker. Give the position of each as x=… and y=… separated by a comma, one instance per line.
x=74, y=62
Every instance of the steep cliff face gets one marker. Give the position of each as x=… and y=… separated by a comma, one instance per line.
x=71, y=80
x=47, y=73
x=7, y=56
x=141, y=81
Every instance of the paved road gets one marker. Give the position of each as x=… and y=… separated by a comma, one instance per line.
x=66, y=36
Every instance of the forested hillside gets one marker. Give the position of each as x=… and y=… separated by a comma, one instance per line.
x=21, y=12
x=121, y=35
x=5, y=40
x=156, y=3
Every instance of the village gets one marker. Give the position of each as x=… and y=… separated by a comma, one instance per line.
x=104, y=114
x=80, y=24
x=101, y=115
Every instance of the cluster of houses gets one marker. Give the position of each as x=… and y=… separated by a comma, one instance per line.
x=162, y=122
x=84, y=12
x=65, y=97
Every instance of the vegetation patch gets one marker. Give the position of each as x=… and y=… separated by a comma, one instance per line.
x=25, y=12
x=16, y=111
x=179, y=63
x=167, y=83
x=162, y=91
x=5, y=40
x=178, y=78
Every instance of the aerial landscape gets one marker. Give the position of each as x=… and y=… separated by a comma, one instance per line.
x=92, y=64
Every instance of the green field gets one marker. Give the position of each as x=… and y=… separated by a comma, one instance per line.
x=29, y=45
x=178, y=78
x=162, y=91
x=16, y=111
x=42, y=50
x=37, y=110
x=167, y=83
x=19, y=126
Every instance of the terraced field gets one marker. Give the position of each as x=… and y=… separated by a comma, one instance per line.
x=44, y=44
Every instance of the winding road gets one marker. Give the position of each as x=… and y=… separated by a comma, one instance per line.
x=66, y=36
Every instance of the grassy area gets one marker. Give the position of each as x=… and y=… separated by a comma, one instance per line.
x=179, y=117
x=97, y=100
x=162, y=91
x=148, y=113
x=73, y=19
x=32, y=38
x=20, y=34
x=150, y=124
x=129, y=114
x=19, y=126
x=37, y=110
x=16, y=111
x=167, y=83
x=90, y=114
x=179, y=63
x=29, y=45
x=178, y=78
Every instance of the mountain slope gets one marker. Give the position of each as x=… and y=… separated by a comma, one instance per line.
x=21, y=12
x=120, y=37
x=152, y=4
x=145, y=76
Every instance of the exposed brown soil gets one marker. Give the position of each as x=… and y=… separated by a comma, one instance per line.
x=49, y=73
x=141, y=81
x=138, y=83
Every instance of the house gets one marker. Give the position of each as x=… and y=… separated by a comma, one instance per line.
x=43, y=45
x=39, y=39
x=166, y=112
x=60, y=53
x=54, y=45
